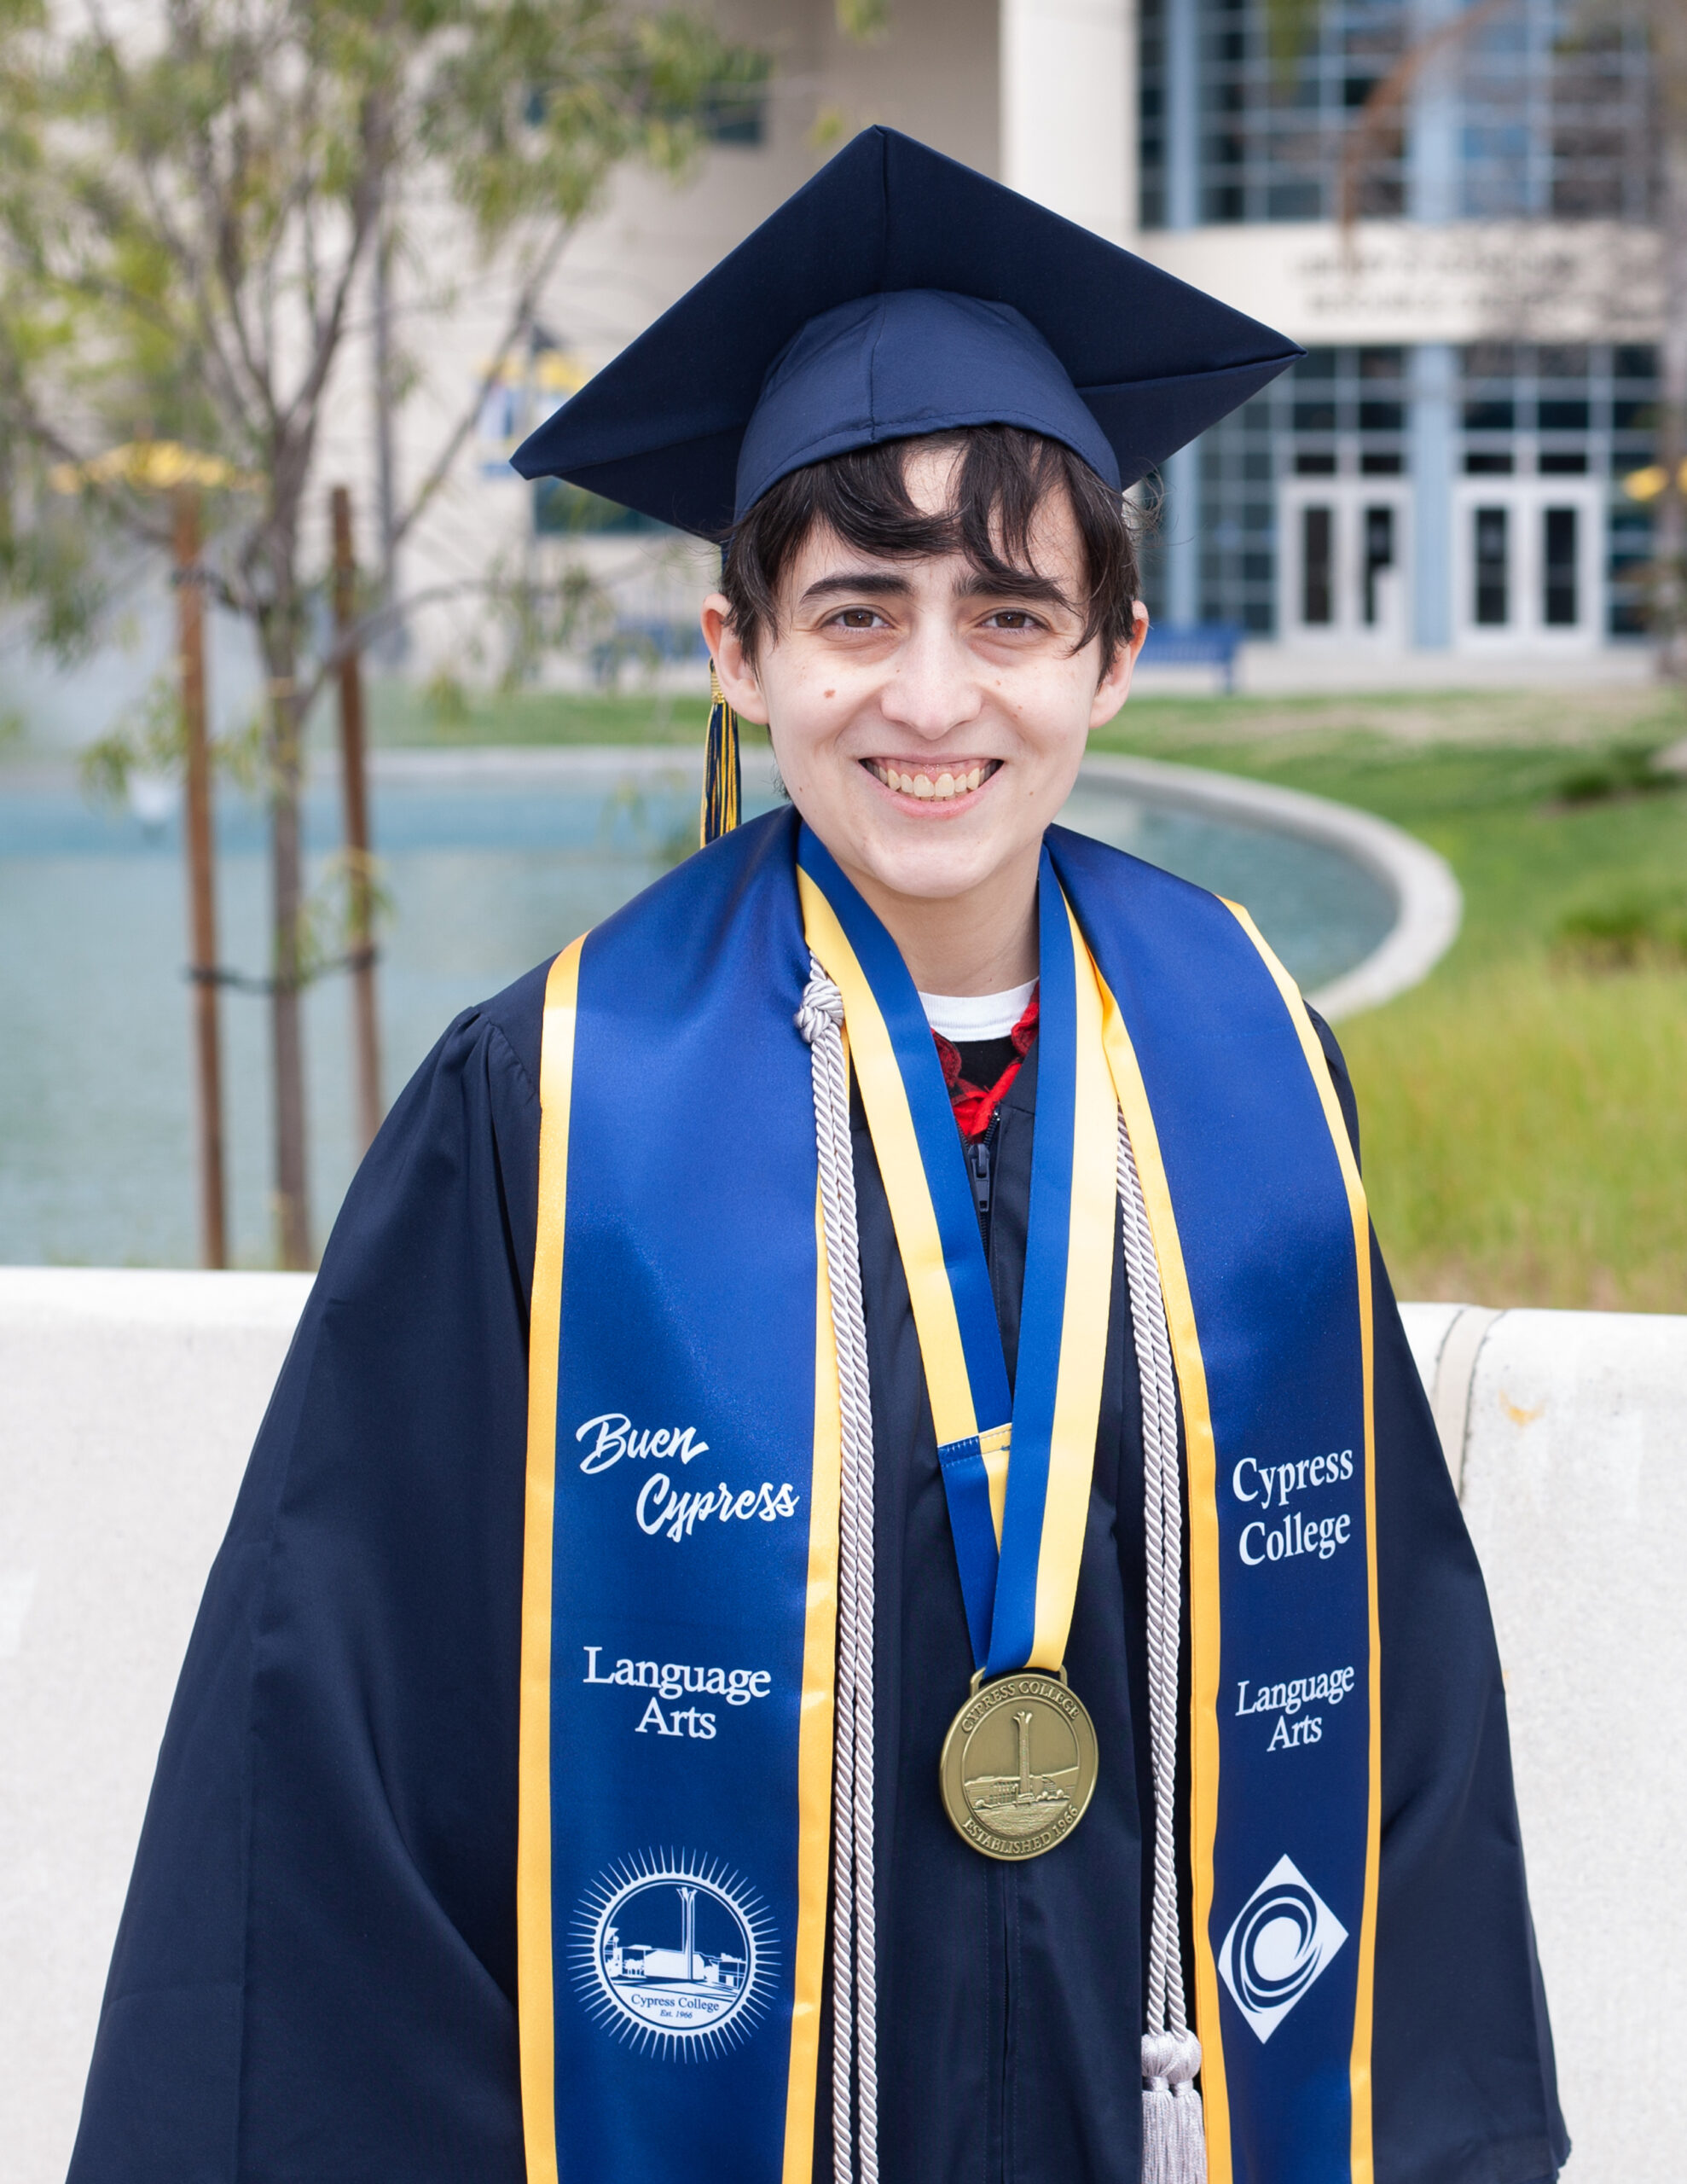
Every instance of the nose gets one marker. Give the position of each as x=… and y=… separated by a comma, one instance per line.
x=932, y=688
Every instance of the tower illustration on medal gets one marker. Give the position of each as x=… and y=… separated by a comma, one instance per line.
x=1025, y=1801
x=1018, y=1766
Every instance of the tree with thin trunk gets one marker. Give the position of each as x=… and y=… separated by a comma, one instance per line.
x=195, y=198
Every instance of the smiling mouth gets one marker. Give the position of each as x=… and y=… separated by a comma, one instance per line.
x=932, y=784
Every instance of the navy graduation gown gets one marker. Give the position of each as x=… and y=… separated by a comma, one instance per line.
x=314, y=1981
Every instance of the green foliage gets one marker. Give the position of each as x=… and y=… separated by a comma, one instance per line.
x=1622, y=926
x=1625, y=769
x=151, y=738
x=445, y=704
x=189, y=208
x=328, y=926
x=1291, y=32
x=864, y=22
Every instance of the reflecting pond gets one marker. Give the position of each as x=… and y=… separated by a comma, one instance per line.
x=488, y=866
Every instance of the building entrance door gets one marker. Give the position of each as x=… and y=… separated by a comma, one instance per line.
x=1343, y=561
x=1527, y=563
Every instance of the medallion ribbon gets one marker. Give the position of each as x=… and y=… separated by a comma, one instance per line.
x=1016, y=1466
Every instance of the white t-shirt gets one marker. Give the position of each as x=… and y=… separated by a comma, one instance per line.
x=963, y=1017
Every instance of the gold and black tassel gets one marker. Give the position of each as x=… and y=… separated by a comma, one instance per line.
x=722, y=786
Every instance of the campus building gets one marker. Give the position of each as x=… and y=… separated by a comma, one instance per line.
x=1456, y=474
x=1471, y=270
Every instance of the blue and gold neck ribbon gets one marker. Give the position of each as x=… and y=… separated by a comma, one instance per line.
x=1016, y=1466
x=679, y=1627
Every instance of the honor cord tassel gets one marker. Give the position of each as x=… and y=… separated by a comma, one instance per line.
x=855, y=1983
x=1174, y=2140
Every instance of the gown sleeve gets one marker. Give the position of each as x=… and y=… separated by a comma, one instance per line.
x=315, y=1974
x=1465, y=2085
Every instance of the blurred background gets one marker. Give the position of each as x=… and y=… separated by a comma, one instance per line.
x=253, y=256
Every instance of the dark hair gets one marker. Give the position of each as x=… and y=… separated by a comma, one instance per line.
x=1002, y=479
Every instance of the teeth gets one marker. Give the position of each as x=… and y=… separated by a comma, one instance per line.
x=948, y=783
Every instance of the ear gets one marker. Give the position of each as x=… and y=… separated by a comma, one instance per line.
x=1115, y=686
x=739, y=683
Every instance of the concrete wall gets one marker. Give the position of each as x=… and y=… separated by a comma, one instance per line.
x=1568, y=1434
x=129, y=1401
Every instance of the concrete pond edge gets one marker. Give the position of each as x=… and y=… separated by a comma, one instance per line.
x=1428, y=902
x=1429, y=905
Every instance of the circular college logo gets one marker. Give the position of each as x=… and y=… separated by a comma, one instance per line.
x=675, y=1953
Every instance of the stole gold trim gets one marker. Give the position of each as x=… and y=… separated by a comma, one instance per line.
x=816, y=1732
x=536, y=2005
x=1083, y=1335
x=898, y=1151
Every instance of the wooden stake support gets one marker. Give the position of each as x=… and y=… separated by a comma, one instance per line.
x=354, y=775
x=201, y=879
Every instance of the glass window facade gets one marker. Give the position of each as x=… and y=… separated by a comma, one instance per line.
x=1544, y=110
x=1522, y=410
x=1551, y=107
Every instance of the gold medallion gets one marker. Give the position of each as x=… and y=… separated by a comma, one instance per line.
x=1018, y=1765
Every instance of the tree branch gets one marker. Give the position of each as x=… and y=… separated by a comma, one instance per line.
x=520, y=317
x=1390, y=92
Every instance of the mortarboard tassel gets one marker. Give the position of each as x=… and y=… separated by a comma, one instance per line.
x=723, y=788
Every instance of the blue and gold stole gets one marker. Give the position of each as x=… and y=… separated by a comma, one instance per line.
x=679, y=1609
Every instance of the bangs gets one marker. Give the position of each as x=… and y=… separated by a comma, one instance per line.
x=1003, y=477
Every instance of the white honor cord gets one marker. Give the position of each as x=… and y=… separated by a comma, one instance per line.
x=1174, y=2140
x=855, y=1977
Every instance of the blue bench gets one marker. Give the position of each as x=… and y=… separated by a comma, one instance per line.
x=1195, y=644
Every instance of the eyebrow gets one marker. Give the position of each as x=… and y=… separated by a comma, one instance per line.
x=872, y=583
x=886, y=584
x=1027, y=583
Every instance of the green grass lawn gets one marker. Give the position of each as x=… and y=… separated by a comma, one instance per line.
x=1524, y=1109
x=401, y=713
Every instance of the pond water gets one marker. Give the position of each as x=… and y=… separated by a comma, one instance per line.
x=488, y=869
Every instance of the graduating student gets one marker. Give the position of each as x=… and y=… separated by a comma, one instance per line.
x=848, y=1574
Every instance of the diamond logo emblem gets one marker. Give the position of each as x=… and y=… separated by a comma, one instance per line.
x=1280, y=1943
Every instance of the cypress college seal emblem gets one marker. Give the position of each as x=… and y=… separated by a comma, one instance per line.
x=1018, y=1766
x=675, y=1953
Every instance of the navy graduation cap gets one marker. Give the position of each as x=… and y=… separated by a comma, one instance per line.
x=899, y=293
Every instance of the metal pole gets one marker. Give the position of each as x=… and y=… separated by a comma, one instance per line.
x=202, y=882
x=355, y=778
